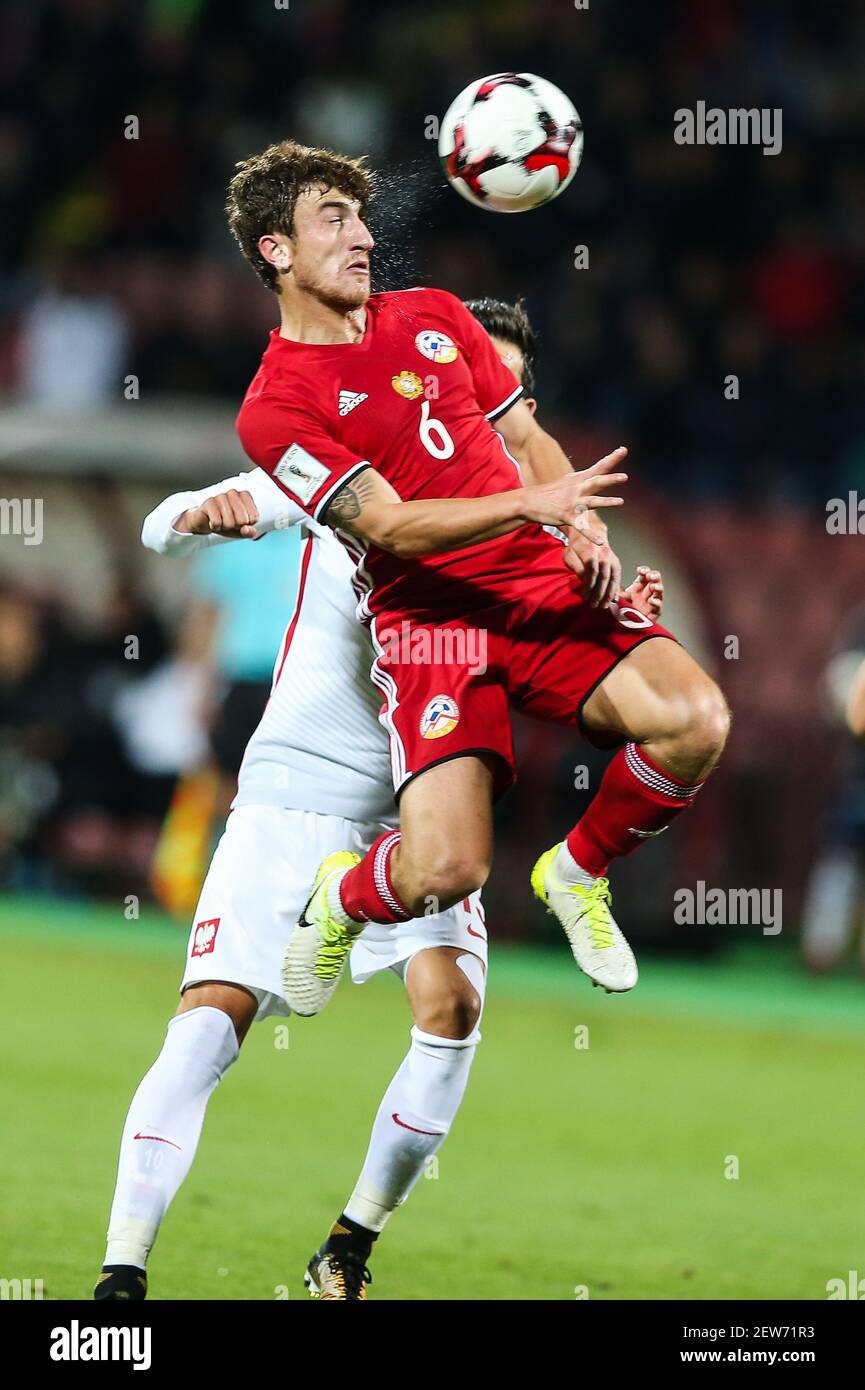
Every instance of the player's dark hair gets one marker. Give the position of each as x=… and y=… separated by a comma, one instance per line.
x=510, y=322
x=263, y=194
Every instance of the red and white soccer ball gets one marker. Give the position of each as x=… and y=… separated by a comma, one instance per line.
x=511, y=142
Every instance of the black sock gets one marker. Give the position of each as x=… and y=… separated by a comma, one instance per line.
x=121, y=1282
x=349, y=1236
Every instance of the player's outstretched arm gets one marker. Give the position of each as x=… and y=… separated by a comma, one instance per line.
x=370, y=508
x=244, y=507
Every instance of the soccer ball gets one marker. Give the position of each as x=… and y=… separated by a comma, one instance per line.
x=510, y=142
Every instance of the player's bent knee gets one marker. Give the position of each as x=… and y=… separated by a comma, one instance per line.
x=452, y=875
x=233, y=1000
x=437, y=884
x=708, y=721
x=452, y=1014
x=697, y=719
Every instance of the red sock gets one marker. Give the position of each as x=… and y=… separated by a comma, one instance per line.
x=636, y=800
x=366, y=891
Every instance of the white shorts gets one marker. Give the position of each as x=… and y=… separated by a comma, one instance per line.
x=257, y=885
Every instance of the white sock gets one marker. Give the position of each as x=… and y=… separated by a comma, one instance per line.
x=163, y=1128
x=337, y=911
x=412, y=1123
x=568, y=870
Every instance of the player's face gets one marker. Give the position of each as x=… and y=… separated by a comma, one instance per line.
x=513, y=358
x=330, y=249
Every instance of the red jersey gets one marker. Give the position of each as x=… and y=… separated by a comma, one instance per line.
x=415, y=399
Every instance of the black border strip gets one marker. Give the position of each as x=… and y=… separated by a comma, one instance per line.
x=506, y=405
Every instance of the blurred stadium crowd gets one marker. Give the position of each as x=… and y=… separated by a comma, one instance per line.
x=700, y=265
x=703, y=263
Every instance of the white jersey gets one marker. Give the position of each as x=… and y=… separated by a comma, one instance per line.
x=319, y=746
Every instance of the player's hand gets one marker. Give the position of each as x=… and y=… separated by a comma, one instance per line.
x=646, y=593
x=231, y=514
x=598, y=566
x=565, y=501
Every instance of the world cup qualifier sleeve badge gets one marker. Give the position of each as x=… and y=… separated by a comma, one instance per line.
x=440, y=717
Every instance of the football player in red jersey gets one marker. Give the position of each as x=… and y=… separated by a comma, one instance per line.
x=375, y=413
x=444, y=983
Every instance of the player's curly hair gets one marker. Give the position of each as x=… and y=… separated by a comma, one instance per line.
x=511, y=323
x=263, y=193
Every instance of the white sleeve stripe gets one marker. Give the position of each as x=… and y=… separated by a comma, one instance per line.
x=322, y=506
x=505, y=405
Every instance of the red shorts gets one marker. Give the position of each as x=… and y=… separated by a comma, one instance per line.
x=448, y=686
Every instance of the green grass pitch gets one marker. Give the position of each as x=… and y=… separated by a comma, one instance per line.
x=599, y=1168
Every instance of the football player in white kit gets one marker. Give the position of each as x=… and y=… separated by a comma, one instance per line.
x=315, y=779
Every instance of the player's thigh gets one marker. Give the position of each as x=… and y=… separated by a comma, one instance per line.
x=446, y=812
x=240, y=1005
x=445, y=710
x=563, y=650
x=445, y=988
x=655, y=691
x=257, y=883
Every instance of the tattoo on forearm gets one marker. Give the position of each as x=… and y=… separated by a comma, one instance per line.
x=350, y=501
x=344, y=507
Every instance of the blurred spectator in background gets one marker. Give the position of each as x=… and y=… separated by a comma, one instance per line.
x=724, y=262
x=833, y=923
x=73, y=338
x=31, y=695
x=855, y=710
x=76, y=805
